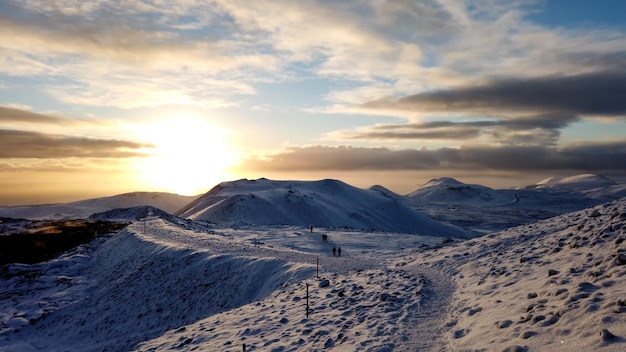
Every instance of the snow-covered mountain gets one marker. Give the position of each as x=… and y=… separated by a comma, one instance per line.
x=447, y=189
x=82, y=209
x=326, y=203
x=577, y=182
x=483, y=209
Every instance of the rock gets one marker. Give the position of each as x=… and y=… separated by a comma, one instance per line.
x=560, y=291
x=553, y=272
x=620, y=259
x=539, y=318
x=504, y=324
x=531, y=295
x=595, y=214
x=384, y=296
x=284, y=321
x=606, y=336
x=515, y=348
x=329, y=343
x=553, y=319
x=324, y=283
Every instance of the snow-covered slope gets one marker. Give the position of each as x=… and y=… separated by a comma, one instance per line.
x=325, y=203
x=132, y=214
x=483, y=209
x=556, y=285
x=135, y=286
x=82, y=209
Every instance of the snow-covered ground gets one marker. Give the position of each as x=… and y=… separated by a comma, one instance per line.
x=167, y=283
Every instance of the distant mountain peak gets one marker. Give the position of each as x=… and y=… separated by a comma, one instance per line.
x=443, y=181
x=576, y=182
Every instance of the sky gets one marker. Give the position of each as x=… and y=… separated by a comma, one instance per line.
x=104, y=97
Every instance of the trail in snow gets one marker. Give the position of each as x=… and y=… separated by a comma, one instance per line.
x=370, y=304
x=424, y=321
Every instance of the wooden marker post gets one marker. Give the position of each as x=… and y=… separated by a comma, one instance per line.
x=317, y=271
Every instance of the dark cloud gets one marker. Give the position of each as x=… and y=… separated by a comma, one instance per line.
x=521, y=111
x=598, y=93
x=421, y=131
x=588, y=158
x=539, y=129
x=24, y=144
x=10, y=114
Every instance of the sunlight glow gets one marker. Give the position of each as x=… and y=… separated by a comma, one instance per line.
x=191, y=156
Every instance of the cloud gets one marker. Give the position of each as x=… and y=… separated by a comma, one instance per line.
x=127, y=56
x=212, y=50
x=598, y=93
x=527, y=130
x=9, y=114
x=24, y=144
x=585, y=157
x=512, y=111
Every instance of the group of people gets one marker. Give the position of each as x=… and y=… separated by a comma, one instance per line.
x=337, y=251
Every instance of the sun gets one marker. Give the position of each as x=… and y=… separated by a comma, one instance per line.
x=190, y=155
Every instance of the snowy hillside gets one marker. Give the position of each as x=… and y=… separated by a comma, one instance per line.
x=447, y=189
x=82, y=209
x=555, y=285
x=483, y=209
x=325, y=203
x=132, y=214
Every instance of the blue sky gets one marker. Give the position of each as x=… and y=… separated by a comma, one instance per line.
x=103, y=97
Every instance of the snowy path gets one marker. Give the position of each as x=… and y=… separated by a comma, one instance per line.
x=425, y=322
x=371, y=304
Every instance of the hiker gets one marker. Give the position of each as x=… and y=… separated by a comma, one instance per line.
x=334, y=250
x=311, y=227
x=339, y=251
